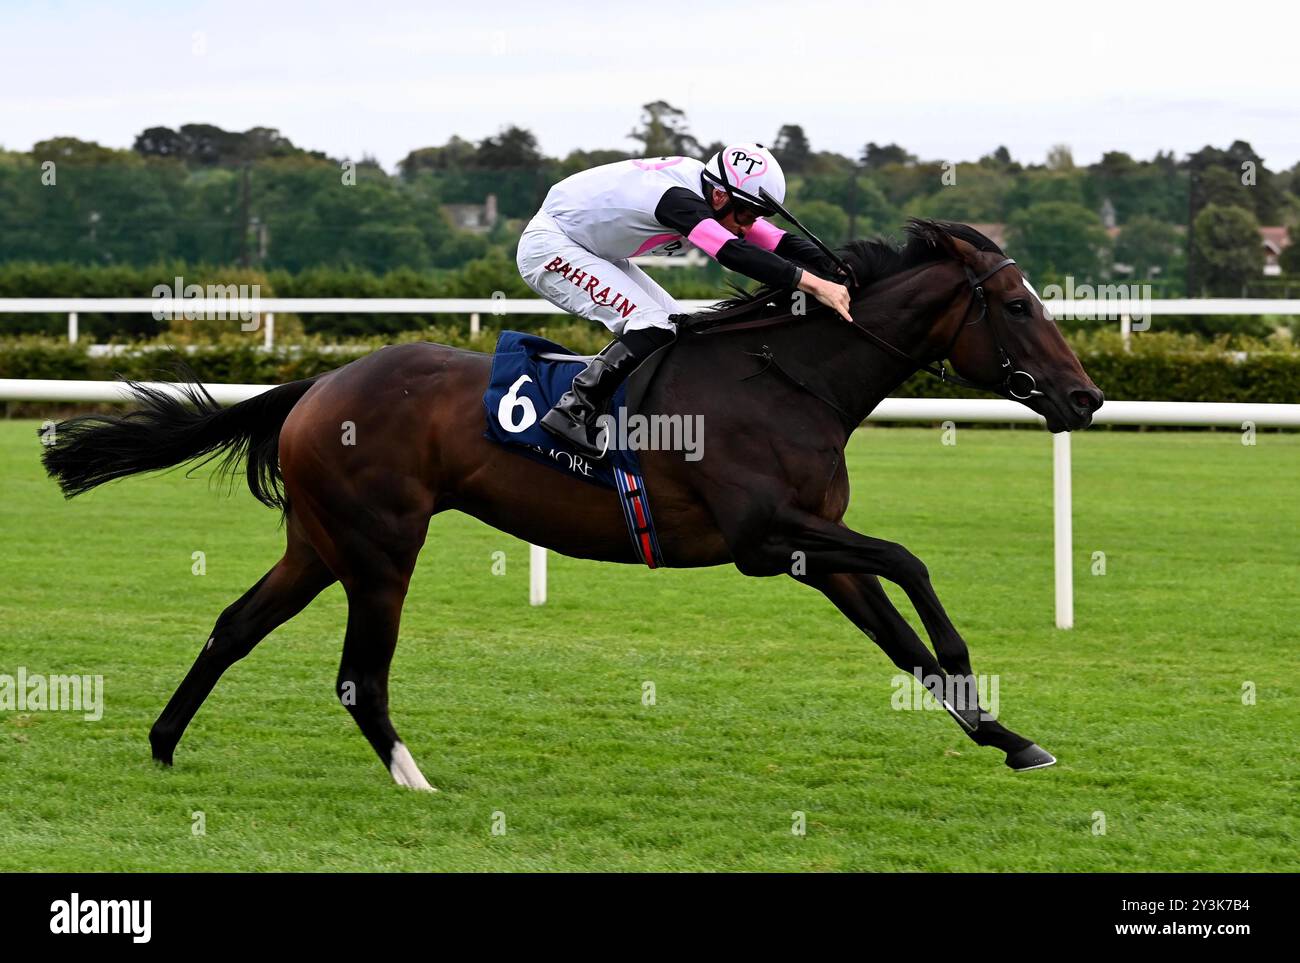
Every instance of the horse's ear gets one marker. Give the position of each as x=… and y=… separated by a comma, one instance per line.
x=935, y=234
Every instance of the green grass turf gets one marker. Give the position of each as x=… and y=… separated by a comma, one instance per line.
x=768, y=702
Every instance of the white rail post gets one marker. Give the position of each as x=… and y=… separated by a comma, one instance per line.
x=474, y=326
x=269, y=341
x=1126, y=330
x=536, y=575
x=72, y=327
x=1062, y=515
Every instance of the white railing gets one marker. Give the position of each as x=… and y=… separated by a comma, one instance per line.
x=1207, y=414
x=258, y=314
x=261, y=312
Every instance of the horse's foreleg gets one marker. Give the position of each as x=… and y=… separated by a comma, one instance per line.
x=819, y=549
x=882, y=623
x=864, y=602
x=277, y=597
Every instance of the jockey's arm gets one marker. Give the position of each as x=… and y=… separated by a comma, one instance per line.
x=792, y=247
x=688, y=214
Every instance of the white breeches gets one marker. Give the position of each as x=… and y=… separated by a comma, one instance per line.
x=618, y=294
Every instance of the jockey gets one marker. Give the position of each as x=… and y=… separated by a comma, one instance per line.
x=575, y=253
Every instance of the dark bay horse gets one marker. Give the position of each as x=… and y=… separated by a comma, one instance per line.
x=779, y=390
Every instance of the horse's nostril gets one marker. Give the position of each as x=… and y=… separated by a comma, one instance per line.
x=1086, y=400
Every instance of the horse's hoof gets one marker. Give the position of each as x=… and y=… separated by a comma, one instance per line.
x=1033, y=756
x=405, y=772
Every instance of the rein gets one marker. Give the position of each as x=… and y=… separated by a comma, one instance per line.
x=1016, y=384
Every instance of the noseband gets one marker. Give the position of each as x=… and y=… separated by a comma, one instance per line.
x=1016, y=383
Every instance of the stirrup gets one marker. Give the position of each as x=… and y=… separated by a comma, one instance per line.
x=575, y=433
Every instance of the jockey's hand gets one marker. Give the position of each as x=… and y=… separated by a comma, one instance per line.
x=829, y=293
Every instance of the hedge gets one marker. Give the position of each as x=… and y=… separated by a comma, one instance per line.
x=475, y=279
x=1159, y=367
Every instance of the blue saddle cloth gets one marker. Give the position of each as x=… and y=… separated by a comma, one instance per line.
x=523, y=387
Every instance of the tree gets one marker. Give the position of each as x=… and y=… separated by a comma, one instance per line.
x=1038, y=185
x=1000, y=159
x=514, y=148
x=581, y=160
x=866, y=207
x=267, y=142
x=1060, y=158
x=1149, y=246
x=209, y=145
x=508, y=164
x=1115, y=163
x=70, y=150
x=826, y=221
x=907, y=186
x=1166, y=161
x=1289, y=260
x=978, y=195
x=663, y=132
x=708, y=150
x=1215, y=185
x=1246, y=169
x=824, y=163
x=1056, y=239
x=1226, y=248
x=791, y=149
x=456, y=155
x=875, y=156
x=160, y=142
x=1136, y=188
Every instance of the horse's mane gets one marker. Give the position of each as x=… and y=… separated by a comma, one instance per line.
x=871, y=261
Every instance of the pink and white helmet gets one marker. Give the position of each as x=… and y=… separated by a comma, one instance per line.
x=741, y=169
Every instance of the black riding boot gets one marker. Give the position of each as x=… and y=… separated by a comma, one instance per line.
x=573, y=419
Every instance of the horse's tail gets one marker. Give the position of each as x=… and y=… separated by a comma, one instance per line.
x=171, y=428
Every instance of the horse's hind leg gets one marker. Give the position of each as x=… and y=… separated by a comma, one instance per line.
x=374, y=614
x=375, y=563
x=278, y=596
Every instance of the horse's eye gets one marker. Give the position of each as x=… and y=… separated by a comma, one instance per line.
x=1017, y=308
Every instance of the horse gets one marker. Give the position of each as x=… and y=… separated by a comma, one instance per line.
x=780, y=387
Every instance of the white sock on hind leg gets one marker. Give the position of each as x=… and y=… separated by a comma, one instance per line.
x=405, y=771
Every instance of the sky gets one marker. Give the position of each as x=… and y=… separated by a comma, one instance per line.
x=948, y=81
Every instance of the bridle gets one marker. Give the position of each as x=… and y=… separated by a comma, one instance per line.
x=1016, y=384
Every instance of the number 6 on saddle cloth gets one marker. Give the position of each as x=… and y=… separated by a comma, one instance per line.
x=527, y=379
